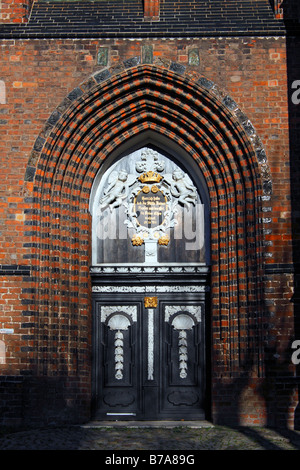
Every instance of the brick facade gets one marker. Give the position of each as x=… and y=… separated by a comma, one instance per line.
x=151, y=10
x=13, y=12
x=65, y=105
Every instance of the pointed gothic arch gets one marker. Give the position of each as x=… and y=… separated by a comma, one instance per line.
x=93, y=122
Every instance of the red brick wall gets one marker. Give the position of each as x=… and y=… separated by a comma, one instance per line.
x=16, y=11
x=49, y=308
x=151, y=9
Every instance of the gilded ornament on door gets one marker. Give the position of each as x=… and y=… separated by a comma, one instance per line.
x=164, y=240
x=150, y=302
x=150, y=177
x=137, y=241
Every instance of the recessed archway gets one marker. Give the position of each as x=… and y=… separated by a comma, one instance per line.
x=212, y=133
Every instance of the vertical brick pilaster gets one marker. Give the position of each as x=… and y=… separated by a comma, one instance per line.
x=151, y=10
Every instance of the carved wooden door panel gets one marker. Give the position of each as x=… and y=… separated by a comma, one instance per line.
x=182, y=388
x=117, y=365
x=149, y=359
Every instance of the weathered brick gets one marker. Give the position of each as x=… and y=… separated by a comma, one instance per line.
x=54, y=88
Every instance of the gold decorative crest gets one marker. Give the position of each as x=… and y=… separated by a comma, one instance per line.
x=137, y=241
x=150, y=302
x=164, y=240
x=150, y=177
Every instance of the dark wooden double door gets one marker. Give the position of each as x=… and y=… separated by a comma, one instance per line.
x=149, y=357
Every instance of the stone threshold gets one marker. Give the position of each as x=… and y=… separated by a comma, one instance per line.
x=147, y=424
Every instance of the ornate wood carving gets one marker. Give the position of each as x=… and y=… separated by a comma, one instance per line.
x=118, y=319
x=183, y=318
x=148, y=196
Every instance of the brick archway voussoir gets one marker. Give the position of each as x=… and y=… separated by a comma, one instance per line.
x=101, y=114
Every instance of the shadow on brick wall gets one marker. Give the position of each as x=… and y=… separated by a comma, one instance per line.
x=291, y=12
x=280, y=389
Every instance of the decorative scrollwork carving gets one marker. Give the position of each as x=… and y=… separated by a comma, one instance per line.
x=183, y=322
x=118, y=318
x=149, y=198
x=119, y=322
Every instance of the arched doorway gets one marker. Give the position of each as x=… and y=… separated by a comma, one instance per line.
x=150, y=252
x=201, y=131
